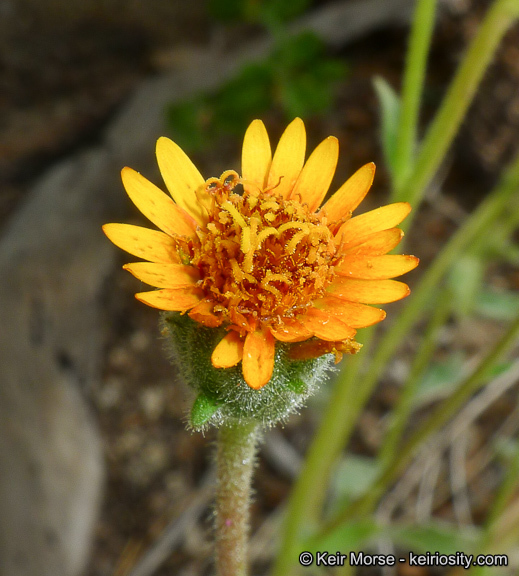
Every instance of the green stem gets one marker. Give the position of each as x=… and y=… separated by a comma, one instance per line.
x=400, y=415
x=235, y=462
x=308, y=495
x=437, y=419
x=419, y=42
x=349, y=396
x=458, y=98
x=503, y=496
x=477, y=224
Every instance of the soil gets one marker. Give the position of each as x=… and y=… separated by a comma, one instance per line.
x=61, y=84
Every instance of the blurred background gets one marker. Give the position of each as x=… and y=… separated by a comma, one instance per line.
x=98, y=468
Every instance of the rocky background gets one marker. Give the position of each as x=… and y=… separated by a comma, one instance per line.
x=99, y=475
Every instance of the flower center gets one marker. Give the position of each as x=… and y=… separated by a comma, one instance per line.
x=261, y=258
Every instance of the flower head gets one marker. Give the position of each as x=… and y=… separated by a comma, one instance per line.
x=256, y=255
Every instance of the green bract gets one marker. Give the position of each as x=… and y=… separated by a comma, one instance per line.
x=222, y=393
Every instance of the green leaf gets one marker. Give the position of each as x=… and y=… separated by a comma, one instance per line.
x=389, y=102
x=440, y=378
x=244, y=97
x=436, y=537
x=186, y=123
x=353, y=476
x=275, y=12
x=353, y=535
x=228, y=10
x=465, y=280
x=296, y=52
x=304, y=75
x=497, y=305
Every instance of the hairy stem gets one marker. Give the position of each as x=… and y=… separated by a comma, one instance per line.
x=236, y=447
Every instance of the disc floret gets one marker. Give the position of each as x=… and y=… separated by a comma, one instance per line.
x=262, y=259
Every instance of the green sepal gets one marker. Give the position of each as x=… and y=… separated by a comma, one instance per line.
x=202, y=411
x=222, y=393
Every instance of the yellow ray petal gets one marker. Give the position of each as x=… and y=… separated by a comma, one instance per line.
x=258, y=358
x=379, y=219
x=203, y=313
x=316, y=348
x=288, y=159
x=317, y=174
x=183, y=180
x=144, y=243
x=351, y=313
x=376, y=267
x=376, y=244
x=228, y=352
x=156, y=206
x=326, y=326
x=291, y=331
x=176, y=300
x=163, y=275
x=368, y=291
x=350, y=194
x=256, y=157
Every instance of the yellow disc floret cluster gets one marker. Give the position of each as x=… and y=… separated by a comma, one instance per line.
x=262, y=259
x=253, y=253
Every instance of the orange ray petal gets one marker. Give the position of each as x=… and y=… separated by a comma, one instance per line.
x=163, y=275
x=156, y=206
x=316, y=348
x=376, y=244
x=258, y=358
x=256, y=157
x=326, y=326
x=317, y=174
x=353, y=314
x=379, y=219
x=144, y=243
x=368, y=291
x=291, y=331
x=182, y=178
x=228, y=352
x=176, y=300
x=376, y=267
x=289, y=159
x=350, y=194
x=203, y=313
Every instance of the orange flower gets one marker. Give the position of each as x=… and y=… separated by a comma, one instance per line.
x=254, y=253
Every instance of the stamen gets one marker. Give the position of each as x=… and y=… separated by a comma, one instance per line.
x=237, y=217
x=272, y=277
x=289, y=225
x=252, y=270
x=292, y=245
x=270, y=204
x=237, y=271
x=245, y=240
x=270, y=231
x=248, y=264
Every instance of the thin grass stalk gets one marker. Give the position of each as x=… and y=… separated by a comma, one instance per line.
x=311, y=479
x=308, y=495
x=438, y=418
x=460, y=94
x=400, y=415
x=412, y=88
x=477, y=224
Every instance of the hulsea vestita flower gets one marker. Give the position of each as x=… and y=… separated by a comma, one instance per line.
x=255, y=253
